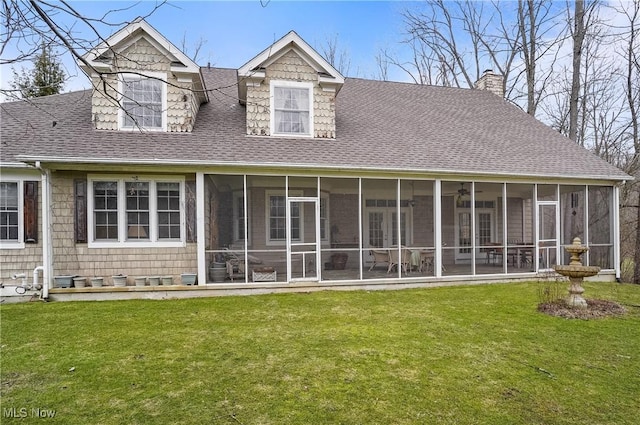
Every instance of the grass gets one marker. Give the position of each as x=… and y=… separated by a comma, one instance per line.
x=459, y=355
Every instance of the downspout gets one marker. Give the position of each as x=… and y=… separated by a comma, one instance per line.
x=47, y=254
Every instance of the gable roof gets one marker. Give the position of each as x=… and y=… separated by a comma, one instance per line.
x=381, y=127
x=101, y=57
x=254, y=70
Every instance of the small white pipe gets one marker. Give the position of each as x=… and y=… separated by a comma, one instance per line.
x=36, y=280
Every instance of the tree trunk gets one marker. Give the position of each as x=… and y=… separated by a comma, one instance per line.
x=526, y=15
x=636, y=256
x=578, y=38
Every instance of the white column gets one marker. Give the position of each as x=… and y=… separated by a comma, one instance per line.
x=437, y=231
x=360, y=231
x=616, y=230
x=47, y=250
x=505, y=228
x=200, y=217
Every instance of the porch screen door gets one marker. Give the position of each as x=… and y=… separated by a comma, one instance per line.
x=303, y=239
x=548, y=231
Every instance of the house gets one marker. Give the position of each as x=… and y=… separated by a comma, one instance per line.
x=283, y=175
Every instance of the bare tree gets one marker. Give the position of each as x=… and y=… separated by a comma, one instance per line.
x=193, y=50
x=382, y=64
x=578, y=39
x=28, y=24
x=454, y=42
x=631, y=55
x=336, y=56
x=421, y=66
x=541, y=32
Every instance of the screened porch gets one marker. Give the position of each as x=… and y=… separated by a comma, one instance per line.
x=324, y=229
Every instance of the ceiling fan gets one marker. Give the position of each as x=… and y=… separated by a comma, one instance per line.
x=462, y=192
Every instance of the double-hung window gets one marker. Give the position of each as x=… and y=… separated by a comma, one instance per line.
x=18, y=212
x=277, y=219
x=105, y=207
x=292, y=107
x=9, y=212
x=143, y=102
x=168, y=196
x=136, y=212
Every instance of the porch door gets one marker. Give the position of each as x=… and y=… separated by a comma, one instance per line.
x=382, y=227
x=303, y=239
x=484, y=232
x=548, y=231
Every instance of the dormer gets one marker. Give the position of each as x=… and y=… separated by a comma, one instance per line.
x=289, y=91
x=143, y=82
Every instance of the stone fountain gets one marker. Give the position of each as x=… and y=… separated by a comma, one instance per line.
x=576, y=272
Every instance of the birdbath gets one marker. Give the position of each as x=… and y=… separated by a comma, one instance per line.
x=576, y=272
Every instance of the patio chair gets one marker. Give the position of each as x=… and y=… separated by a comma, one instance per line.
x=235, y=268
x=379, y=256
x=426, y=261
x=495, y=253
x=404, y=262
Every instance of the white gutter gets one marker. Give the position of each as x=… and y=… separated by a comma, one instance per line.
x=345, y=167
x=47, y=254
x=14, y=165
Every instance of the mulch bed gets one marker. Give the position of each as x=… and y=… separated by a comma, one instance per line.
x=595, y=309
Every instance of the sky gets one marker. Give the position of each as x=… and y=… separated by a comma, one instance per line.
x=236, y=31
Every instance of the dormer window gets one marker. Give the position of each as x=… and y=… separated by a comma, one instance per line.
x=143, y=103
x=292, y=106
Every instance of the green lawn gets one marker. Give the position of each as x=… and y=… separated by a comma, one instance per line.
x=459, y=355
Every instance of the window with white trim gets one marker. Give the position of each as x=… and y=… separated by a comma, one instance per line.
x=140, y=212
x=143, y=103
x=292, y=106
x=19, y=207
x=168, y=201
x=105, y=210
x=10, y=212
x=137, y=195
x=276, y=219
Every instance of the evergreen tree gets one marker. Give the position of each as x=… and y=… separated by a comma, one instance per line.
x=44, y=79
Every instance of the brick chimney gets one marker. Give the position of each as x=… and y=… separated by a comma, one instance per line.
x=490, y=81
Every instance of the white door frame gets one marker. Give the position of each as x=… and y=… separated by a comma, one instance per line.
x=314, y=247
x=549, y=244
x=472, y=229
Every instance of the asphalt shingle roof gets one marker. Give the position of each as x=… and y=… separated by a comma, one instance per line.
x=380, y=125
